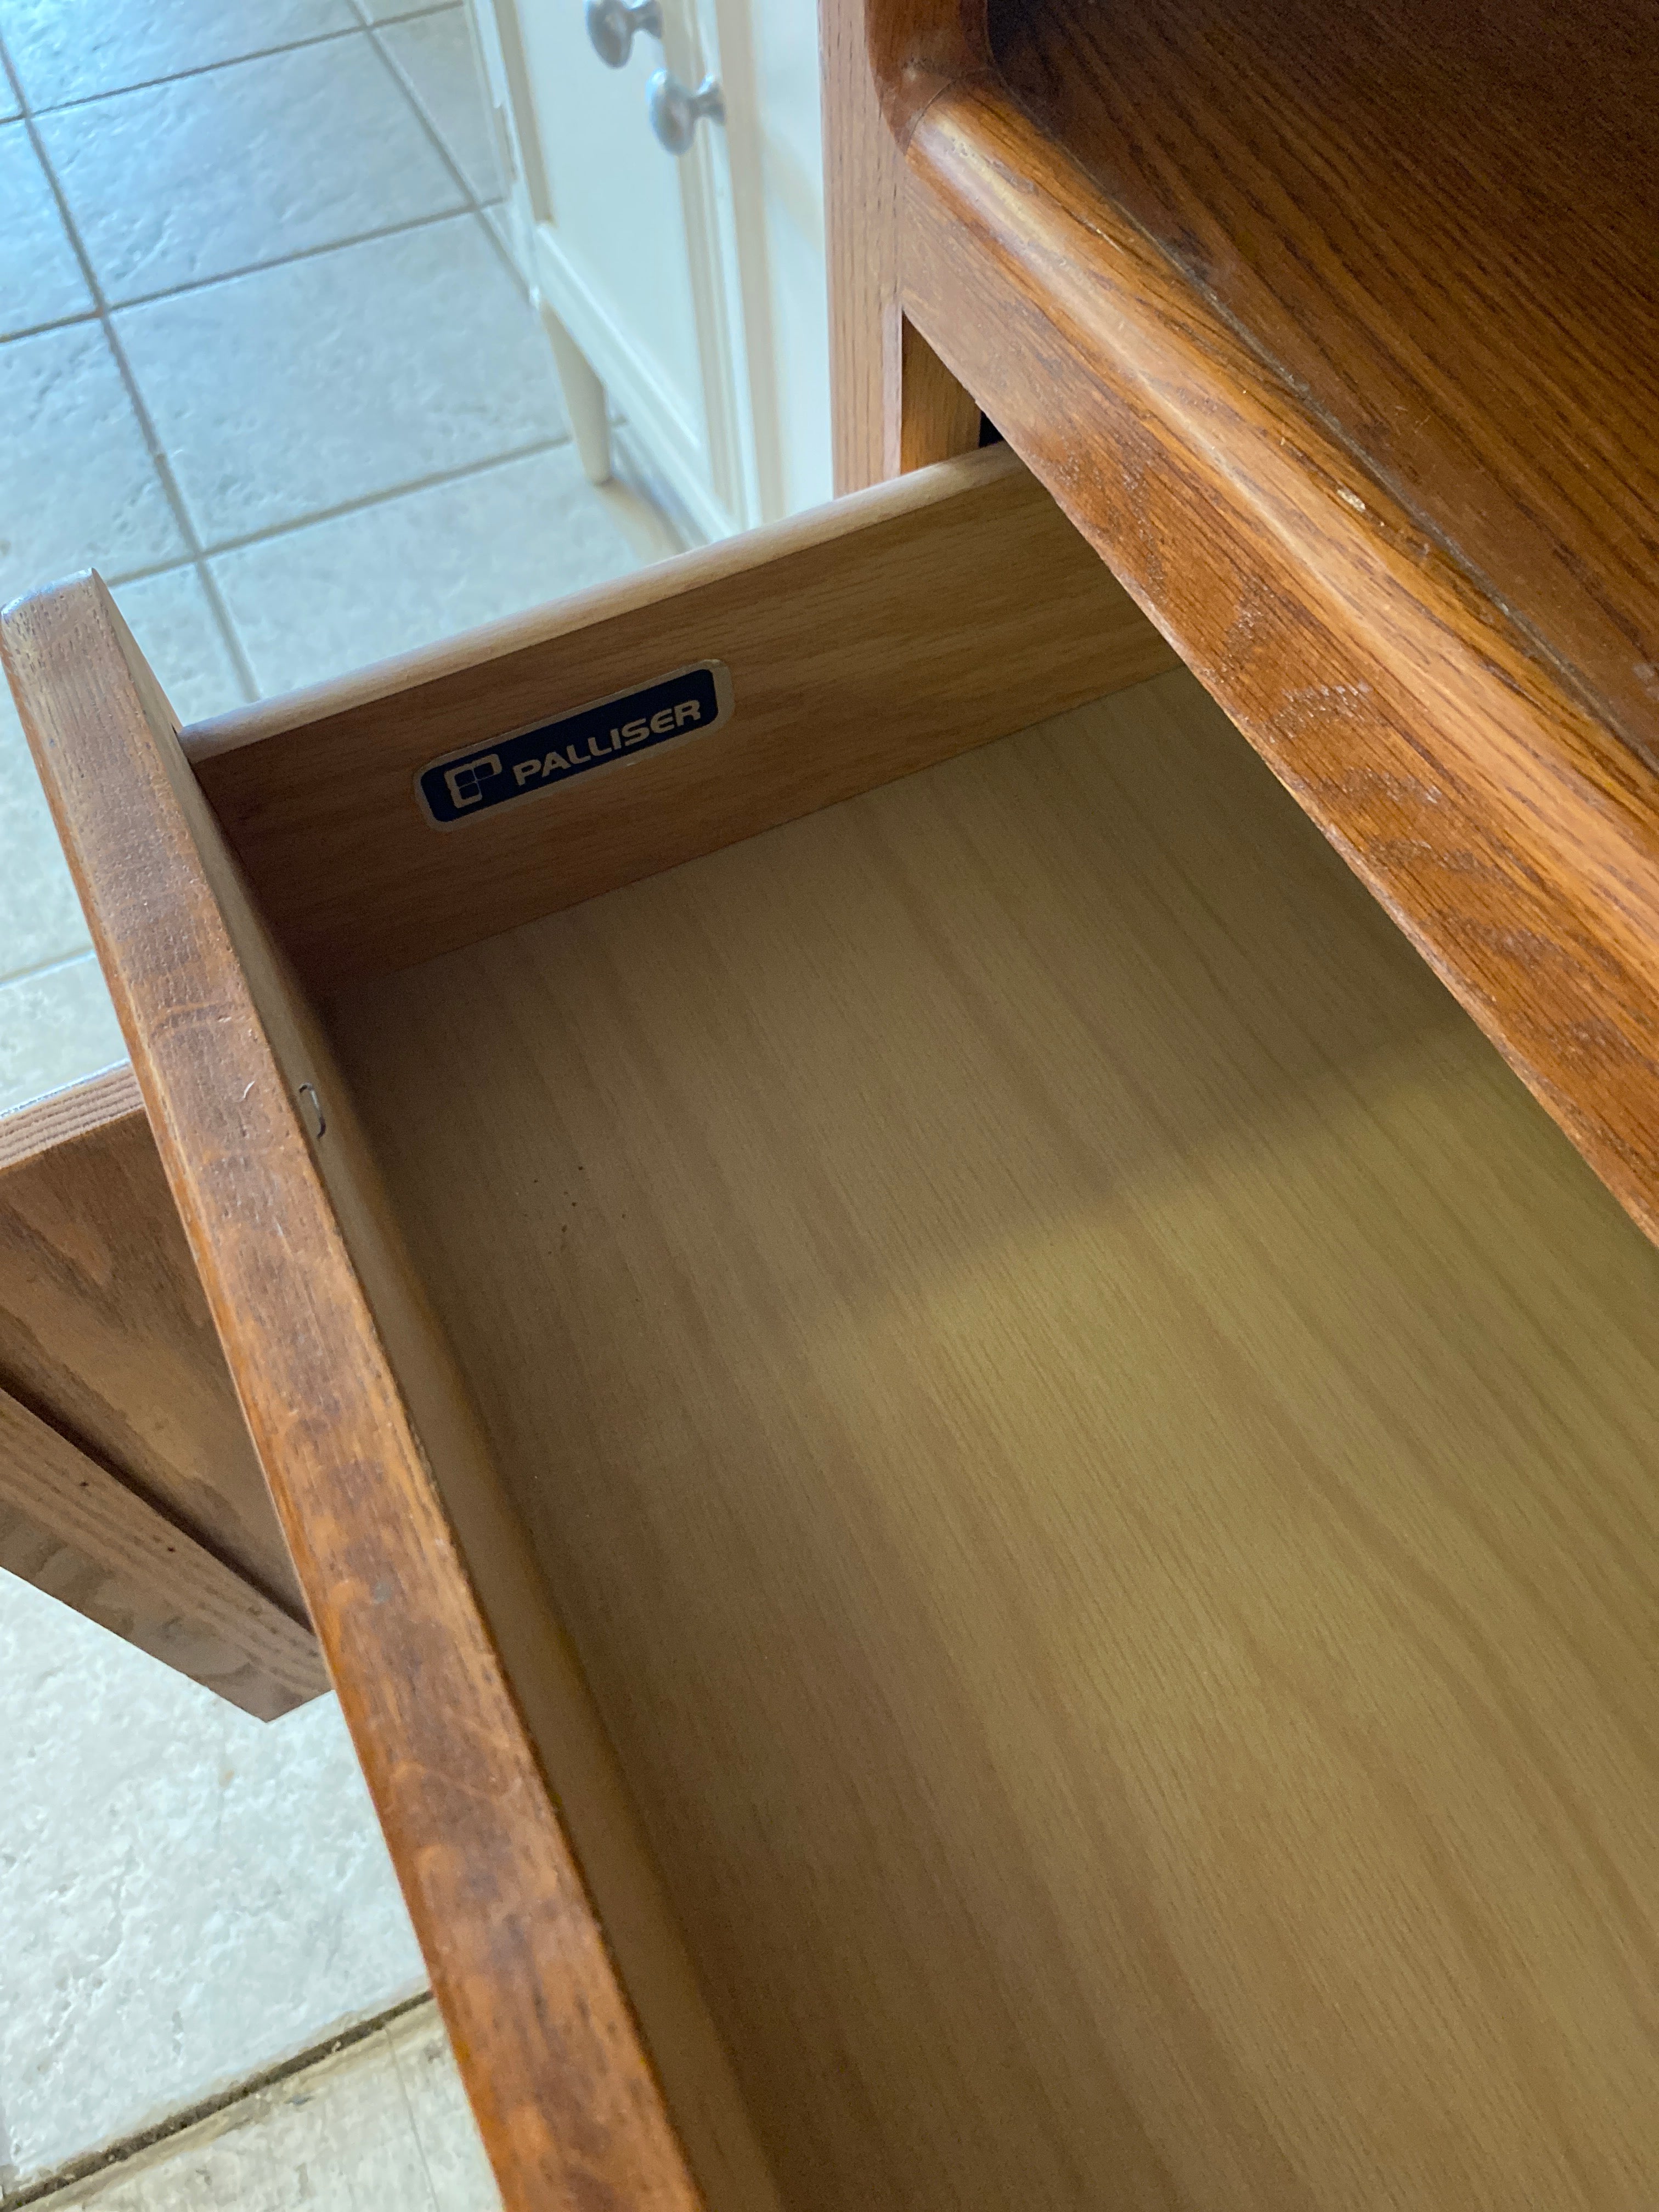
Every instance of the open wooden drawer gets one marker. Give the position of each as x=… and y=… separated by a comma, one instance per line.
x=978, y=1484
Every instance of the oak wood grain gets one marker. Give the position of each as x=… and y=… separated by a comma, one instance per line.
x=1425, y=665
x=937, y=419
x=357, y=1446
x=63, y=1115
x=961, y=593
x=894, y=404
x=1098, y=1449
x=863, y=180
x=1509, y=832
x=1438, y=220
x=78, y=1532
x=104, y=1333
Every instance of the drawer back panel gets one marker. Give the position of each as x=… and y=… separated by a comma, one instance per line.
x=860, y=641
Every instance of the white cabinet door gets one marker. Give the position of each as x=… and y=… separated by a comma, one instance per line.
x=688, y=291
x=626, y=246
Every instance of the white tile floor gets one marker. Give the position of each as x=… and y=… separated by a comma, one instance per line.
x=188, y=1897
x=380, y=2128
x=264, y=362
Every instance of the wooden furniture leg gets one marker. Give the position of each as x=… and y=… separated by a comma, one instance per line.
x=897, y=406
x=129, y=1488
x=584, y=398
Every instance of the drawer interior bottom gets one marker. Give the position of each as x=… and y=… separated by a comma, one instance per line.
x=1095, y=1448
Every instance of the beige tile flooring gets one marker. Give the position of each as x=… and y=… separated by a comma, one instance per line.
x=265, y=363
x=381, y=2126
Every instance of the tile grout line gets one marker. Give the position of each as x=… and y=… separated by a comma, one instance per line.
x=198, y=68
x=428, y=483
x=241, y=665
x=231, y=61
x=254, y=690
x=197, y=554
x=471, y=204
x=504, y=253
x=58, y=322
x=162, y=466
x=475, y=206
x=250, y=268
x=434, y=2201
x=94, y=2163
x=118, y=578
x=45, y=967
x=281, y=261
x=461, y=182
x=12, y=78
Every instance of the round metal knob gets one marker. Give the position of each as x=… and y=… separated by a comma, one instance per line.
x=612, y=25
x=675, y=113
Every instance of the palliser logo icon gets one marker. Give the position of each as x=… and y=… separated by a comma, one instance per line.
x=466, y=781
x=462, y=787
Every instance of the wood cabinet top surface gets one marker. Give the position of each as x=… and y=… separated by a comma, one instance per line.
x=1441, y=224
